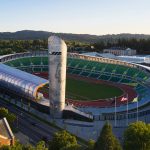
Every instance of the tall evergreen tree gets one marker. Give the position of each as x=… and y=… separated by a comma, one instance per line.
x=107, y=140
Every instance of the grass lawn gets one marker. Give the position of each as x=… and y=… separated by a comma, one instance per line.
x=82, y=90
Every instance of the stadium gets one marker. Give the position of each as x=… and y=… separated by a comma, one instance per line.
x=95, y=85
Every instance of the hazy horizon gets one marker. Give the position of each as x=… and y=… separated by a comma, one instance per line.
x=97, y=17
x=71, y=33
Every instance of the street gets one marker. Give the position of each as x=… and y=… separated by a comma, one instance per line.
x=35, y=129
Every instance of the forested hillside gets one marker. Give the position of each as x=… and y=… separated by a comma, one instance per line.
x=41, y=35
x=23, y=41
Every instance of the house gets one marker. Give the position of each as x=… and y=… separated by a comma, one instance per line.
x=6, y=135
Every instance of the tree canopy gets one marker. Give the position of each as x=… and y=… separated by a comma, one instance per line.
x=90, y=145
x=63, y=140
x=9, y=116
x=137, y=136
x=39, y=146
x=17, y=46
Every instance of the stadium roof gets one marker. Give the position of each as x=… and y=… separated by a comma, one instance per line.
x=20, y=81
x=118, y=48
x=96, y=54
x=130, y=59
x=5, y=56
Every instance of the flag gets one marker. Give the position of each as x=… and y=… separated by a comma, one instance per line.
x=135, y=100
x=124, y=99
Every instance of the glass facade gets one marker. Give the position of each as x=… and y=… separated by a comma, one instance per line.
x=20, y=82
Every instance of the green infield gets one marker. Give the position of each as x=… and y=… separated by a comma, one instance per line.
x=83, y=90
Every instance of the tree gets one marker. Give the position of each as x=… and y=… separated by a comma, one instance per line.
x=9, y=116
x=27, y=147
x=18, y=146
x=3, y=112
x=137, y=136
x=62, y=140
x=4, y=147
x=91, y=144
x=106, y=140
x=72, y=147
x=41, y=146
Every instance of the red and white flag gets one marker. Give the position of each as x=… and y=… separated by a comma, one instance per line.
x=124, y=99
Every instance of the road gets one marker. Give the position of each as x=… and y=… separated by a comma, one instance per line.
x=35, y=129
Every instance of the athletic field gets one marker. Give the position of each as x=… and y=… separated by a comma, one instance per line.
x=83, y=90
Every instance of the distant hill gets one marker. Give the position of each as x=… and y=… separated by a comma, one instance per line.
x=32, y=35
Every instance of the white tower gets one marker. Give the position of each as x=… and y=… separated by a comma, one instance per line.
x=57, y=75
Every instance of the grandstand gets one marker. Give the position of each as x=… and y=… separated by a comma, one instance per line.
x=126, y=75
x=102, y=71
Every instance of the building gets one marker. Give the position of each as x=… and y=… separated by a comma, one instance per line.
x=6, y=135
x=120, y=51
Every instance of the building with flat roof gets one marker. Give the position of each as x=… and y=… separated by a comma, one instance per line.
x=6, y=135
x=119, y=51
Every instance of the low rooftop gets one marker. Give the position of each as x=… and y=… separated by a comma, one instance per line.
x=5, y=130
x=118, y=48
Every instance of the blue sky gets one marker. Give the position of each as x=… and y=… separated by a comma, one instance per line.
x=76, y=16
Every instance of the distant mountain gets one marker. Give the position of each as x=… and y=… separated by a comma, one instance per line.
x=125, y=36
x=32, y=35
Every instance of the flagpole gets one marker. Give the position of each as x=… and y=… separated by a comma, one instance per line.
x=127, y=112
x=137, y=110
x=115, y=113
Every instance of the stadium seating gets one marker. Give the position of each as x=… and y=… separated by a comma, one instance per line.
x=94, y=75
x=114, y=79
x=121, y=69
x=103, y=71
x=44, y=60
x=132, y=71
x=84, y=73
x=92, y=69
x=104, y=77
x=14, y=63
x=110, y=68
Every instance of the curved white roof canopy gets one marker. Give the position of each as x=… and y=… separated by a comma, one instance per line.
x=20, y=82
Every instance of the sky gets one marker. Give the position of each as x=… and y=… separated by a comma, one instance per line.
x=76, y=16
